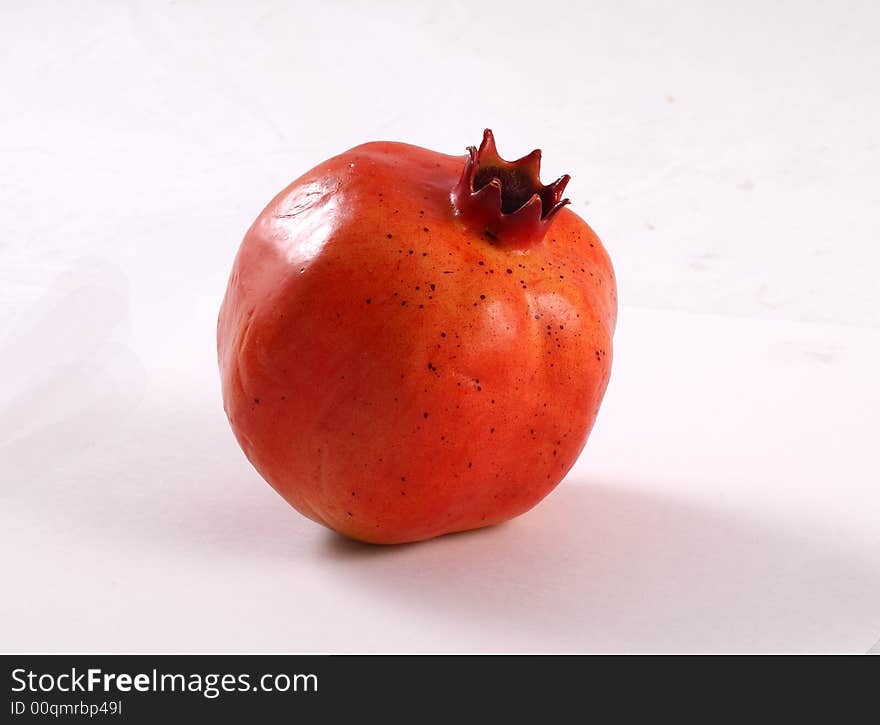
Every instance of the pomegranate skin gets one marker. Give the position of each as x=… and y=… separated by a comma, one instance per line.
x=395, y=374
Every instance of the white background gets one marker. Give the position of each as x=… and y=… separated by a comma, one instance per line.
x=727, y=153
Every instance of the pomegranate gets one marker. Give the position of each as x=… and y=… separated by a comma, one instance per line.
x=413, y=343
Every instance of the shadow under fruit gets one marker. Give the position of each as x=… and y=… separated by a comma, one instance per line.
x=413, y=343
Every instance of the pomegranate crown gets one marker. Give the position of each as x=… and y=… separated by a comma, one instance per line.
x=506, y=198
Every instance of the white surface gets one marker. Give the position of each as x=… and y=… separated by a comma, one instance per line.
x=729, y=497
x=725, y=502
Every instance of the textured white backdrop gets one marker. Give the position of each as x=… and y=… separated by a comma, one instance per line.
x=728, y=154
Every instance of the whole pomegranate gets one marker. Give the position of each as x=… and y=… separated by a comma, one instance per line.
x=413, y=343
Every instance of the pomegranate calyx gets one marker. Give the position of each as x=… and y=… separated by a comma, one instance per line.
x=506, y=199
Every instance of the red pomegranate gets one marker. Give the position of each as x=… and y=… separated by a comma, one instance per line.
x=413, y=343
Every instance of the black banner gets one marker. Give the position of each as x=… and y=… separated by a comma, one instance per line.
x=409, y=688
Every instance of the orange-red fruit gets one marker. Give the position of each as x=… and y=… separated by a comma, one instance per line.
x=411, y=344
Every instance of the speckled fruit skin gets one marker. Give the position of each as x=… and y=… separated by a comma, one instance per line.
x=393, y=373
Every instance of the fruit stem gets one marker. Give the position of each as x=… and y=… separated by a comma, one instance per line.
x=505, y=200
